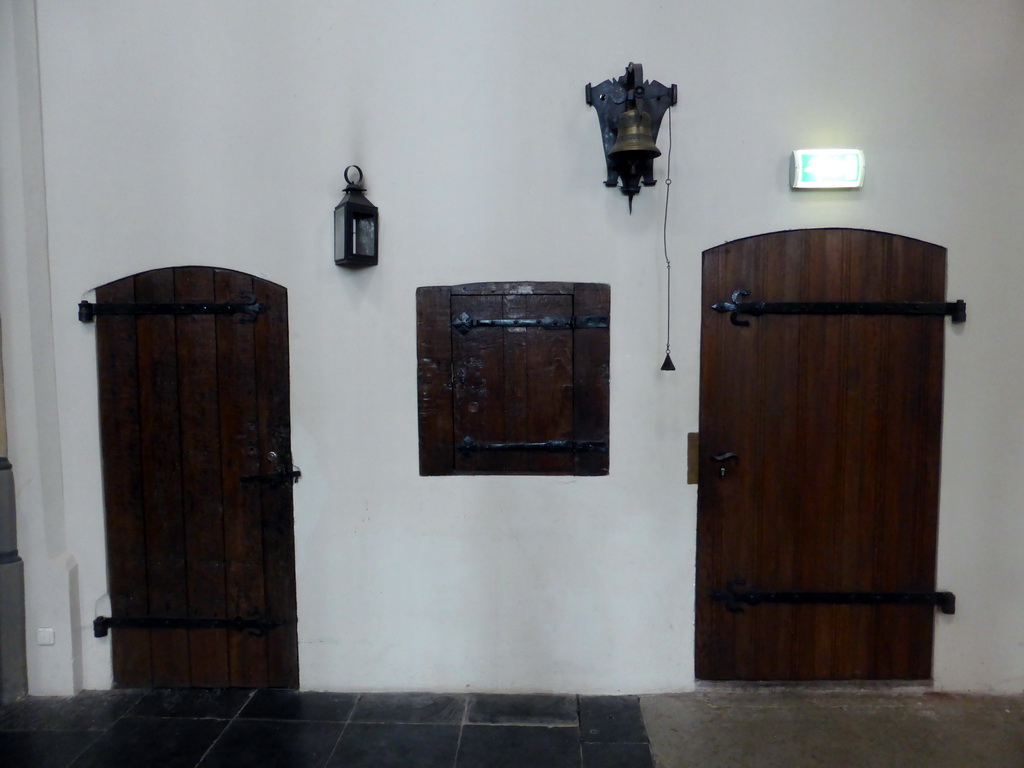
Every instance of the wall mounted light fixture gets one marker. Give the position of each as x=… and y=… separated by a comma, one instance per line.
x=355, y=226
x=630, y=110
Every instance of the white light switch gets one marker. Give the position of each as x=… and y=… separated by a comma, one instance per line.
x=44, y=636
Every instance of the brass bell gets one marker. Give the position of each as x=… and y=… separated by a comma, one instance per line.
x=635, y=135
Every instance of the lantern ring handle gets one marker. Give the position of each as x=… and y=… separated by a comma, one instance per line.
x=358, y=170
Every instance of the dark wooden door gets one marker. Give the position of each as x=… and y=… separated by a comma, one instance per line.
x=835, y=423
x=191, y=404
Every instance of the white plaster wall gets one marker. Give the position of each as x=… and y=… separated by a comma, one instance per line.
x=191, y=132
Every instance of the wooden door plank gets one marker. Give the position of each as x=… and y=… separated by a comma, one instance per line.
x=434, y=351
x=122, y=484
x=729, y=532
x=161, y=472
x=243, y=519
x=779, y=350
x=201, y=477
x=590, y=349
x=905, y=637
x=273, y=398
x=866, y=256
x=819, y=450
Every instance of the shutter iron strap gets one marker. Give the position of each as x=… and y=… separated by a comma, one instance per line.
x=248, y=307
x=957, y=310
x=732, y=597
x=468, y=446
x=464, y=323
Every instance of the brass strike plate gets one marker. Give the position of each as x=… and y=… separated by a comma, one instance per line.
x=692, y=460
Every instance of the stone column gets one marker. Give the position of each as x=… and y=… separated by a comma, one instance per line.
x=13, y=670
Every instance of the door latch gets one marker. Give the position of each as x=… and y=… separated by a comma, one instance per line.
x=276, y=479
x=722, y=458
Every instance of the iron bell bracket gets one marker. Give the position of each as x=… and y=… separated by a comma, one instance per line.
x=612, y=97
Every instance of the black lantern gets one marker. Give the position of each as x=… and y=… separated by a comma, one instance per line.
x=355, y=226
x=630, y=110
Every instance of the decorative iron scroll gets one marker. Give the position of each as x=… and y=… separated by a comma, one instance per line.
x=957, y=310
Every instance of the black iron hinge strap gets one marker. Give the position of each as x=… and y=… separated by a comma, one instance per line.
x=256, y=625
x=957, y=310
x=469, y=446
x=464, y=323
x=248, y=307
x=732, y=596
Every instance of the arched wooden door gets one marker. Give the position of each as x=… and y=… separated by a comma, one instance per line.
x=195, y=427
x=819, y=459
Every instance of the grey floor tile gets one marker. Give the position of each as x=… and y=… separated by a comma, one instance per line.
x=521, y=709
x=808, y=731
x=222, y=703
x=409, y=708
x=612, y=719
x=143, y=742
x=274, y=744
x=391, y=745
x=43, y=749
x=88, y=711
x=617, y=756
x=275, y=704
x=519, y=746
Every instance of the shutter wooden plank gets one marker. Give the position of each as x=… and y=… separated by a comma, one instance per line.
x=590, y=349
x=161, y=468
x=512, y=289
x=478, y=384
x=273, y=397
x=243, y=521
x=201, y=478
x=517, y=376
x=122, y=484
x=434, y=354
x=550, y=384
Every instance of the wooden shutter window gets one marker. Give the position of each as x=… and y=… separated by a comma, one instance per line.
x=513, y=378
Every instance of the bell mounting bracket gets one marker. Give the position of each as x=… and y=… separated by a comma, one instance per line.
x=613, y=97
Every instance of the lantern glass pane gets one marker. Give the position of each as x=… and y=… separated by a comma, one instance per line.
x=364, y=235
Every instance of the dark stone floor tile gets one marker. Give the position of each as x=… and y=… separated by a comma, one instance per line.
x=393, y=745
x=274, y=744
x=220, y=703
x=409, y=708
x=521, y=709
x=518, y=746
x=274, y=704
x=617, y=756
x=144, y=742
x=612, y=719
x=88, y=711
x=43, y=749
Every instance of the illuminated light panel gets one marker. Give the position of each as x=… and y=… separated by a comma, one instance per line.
x=827, y=169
